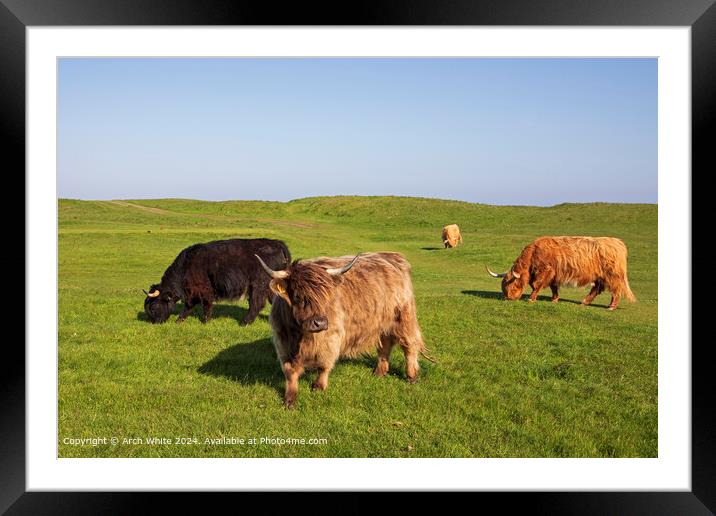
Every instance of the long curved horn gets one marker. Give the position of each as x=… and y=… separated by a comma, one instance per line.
x=145, y=292
x=340, y=270
x=494, y=274
x=153, y=294
x=515, y=274
x=274, y=274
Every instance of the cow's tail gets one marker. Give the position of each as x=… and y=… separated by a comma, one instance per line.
x=625, y=284
x=627, y=291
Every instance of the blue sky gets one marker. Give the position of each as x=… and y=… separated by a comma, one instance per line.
x=497, y=131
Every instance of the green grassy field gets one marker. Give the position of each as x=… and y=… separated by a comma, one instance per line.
x=512, y=380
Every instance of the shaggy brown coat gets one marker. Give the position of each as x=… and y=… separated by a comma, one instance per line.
x=223, y=269
x=318, y=318
x=575, y=261
x=451, y=235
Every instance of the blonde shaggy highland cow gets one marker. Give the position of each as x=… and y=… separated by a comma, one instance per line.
x=330, y=308
x=451, y=235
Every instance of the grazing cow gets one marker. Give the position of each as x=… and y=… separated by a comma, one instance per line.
x=224, y=269
x=451, y=235
x=576, y=261
x=329, y=308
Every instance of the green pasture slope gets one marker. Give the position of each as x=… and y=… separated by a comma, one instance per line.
x=512, y=380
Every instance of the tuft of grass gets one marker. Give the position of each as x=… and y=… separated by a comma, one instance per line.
x=512, y=379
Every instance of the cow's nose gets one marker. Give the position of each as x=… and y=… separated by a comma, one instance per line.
x=318, y=324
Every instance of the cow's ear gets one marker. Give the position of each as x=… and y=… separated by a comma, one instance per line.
x=168, y=295
x=278, y=287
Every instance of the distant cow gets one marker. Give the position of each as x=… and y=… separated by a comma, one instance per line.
x=576, y=261
x=223, y=269
x=328, y=308
x=451, y=235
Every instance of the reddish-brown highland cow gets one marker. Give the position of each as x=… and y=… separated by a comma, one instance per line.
x=575, y=261
x=330, y=308
x=451, y=235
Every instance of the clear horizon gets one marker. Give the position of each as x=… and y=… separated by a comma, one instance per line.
x=343, y=195
x=532, y=131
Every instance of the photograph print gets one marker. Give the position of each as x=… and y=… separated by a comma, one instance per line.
x=357, y=257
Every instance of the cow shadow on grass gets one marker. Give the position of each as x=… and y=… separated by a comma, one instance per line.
x=397, y=369
x=229, y=311
x=483, y=293
x=432, y=248
x=248, y=363
x=573, y=301
x=142, y=316
x=255, y=363
x=498, y=295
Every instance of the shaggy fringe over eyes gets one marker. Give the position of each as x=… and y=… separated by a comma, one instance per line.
x=312, y=282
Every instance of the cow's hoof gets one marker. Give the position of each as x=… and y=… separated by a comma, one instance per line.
x=179, y=321
x=245, y=323
x=531, y=300
x=317, y=386
x=413, y=380
x=289, y=404
x=555, y=299
x=612, y=308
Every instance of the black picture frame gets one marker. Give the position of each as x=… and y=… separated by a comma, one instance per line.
x=16, y=15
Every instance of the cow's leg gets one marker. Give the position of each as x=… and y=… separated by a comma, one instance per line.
x=328, y=360
x=257, y=300
x=412, y=367
x=384, y=349
x=597, y=289
x=406, y=332
x=411, y=343
x=321, y=381
x=185, y=312
x=536, y=287
x=208, y=307
x=292, y=372
x=615, y=301
x=555, y=292
x=539, y=281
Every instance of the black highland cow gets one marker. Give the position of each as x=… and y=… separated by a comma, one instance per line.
x=224, y=269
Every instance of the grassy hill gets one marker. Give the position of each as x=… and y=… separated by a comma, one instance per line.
x=512, y=379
